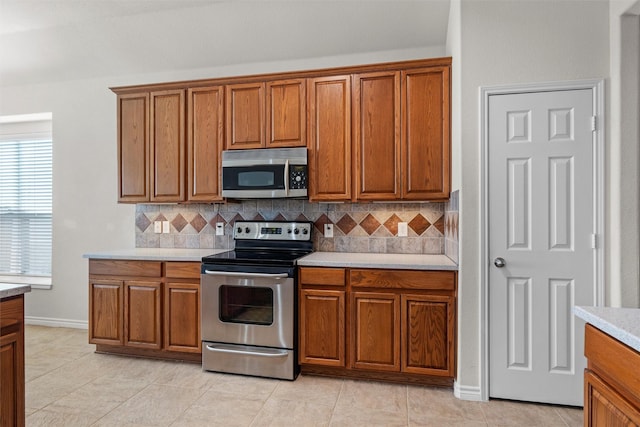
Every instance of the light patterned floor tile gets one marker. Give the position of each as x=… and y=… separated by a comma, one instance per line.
x=302, y=413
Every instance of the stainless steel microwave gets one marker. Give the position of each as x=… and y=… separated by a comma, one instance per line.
x=264, y=173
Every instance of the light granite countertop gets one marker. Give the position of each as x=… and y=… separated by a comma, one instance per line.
x=155, y=254
x=622, y=324
x=369, y=260
x=8, y=290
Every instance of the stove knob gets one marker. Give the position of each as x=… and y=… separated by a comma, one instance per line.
x=296, y=231
x=239, y=230
x=289, y=230
x=305, y=231
x=247, y=230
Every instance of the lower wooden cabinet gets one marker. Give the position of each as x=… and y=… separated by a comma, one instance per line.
x=611, y=381
x=12, y=403
x=397, y=325
x=145, y=308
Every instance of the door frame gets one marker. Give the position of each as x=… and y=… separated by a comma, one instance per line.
x=597, y=86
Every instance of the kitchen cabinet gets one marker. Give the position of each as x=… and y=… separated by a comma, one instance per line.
x=133, y=148
x=145, y=308
x=329, y=104
x=611, y=381
x=256, y=120
x=12, y=404
x=322, y=316
x=205, y=140
x=399, y=324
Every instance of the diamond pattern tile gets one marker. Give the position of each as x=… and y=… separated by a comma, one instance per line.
x=216, y=219
x=160, y=217
x=301, y=217
x=142, y=222
x=419, y=224
x=439, y=224
x=321, y=221
x=370, y=224
x=279, y=217
x=346, y=224
x=179, y=222
x=237, y=217
x=198, y=223
x=392, y=224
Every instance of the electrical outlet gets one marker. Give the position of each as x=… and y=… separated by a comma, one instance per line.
x=219, y=228
x=157, y=227
x=328, y=230
x=402, y=229
x=165, y=227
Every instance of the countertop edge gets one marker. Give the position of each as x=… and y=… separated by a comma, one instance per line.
x=154, y=254
x=390, y=261
x=617, y=331
x=8, y=290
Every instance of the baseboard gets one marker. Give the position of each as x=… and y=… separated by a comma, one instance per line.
x=56, y=323
x=463, y=392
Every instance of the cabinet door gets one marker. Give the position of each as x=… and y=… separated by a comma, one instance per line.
x=133, y=148
x=428, y=337
x=375, y=325
x=182, y=317
x=9, y=352
x=376, y=116
x=329, y=142
x=603, y=406
x=167, y=146
x=426, y=141
x=142, y=314
x=286, y=113
x=105, y=312
x=245, y=116
x=322, y=327
x=205, y=127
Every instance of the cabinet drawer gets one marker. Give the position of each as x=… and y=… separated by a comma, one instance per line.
x=613, y=361
x=403, y=279
x=183, y=270
x=125, y=268
x=322, y=276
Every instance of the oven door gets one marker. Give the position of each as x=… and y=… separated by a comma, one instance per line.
x=251, y=309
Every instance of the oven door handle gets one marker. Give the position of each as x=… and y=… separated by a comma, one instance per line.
x=247, y=275
x=261, y=353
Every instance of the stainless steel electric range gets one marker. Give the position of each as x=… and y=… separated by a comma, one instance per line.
x=249, y=297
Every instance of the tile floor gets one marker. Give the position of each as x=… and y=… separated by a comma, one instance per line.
x=69, y=385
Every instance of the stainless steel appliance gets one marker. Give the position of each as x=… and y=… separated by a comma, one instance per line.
x=264, y=173
x=248, y=298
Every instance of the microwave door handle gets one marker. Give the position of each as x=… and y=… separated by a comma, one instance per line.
x=286, y=177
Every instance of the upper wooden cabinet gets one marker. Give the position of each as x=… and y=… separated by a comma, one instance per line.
x=426, y=134
x=258, y=121
x=329, y=104
x=376, y=118
x=205, y=139
x=133, y=147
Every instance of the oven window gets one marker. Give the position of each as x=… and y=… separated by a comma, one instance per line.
x=250, y=305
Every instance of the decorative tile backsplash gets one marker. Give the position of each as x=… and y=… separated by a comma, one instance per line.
x=358, y=227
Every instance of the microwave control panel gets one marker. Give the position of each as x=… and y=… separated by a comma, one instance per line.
x=297, y=177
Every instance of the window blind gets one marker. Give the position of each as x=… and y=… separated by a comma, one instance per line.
x=25, y=200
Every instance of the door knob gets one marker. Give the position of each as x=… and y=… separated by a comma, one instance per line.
x=499, y=262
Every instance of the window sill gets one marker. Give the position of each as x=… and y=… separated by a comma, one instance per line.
x=35, y=282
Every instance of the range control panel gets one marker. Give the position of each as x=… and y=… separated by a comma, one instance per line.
x=272, y=230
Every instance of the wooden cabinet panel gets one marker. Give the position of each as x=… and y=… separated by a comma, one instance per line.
x=125, y=268
x=12, y=381
x=426, y=134
x=183, y=270
x=106, y=302
x=182, y=317
x=245, y=116
x=142, y=314
x=376, y=331
x=376, y=117
x=322, y=276
x=167, y=146
x=427, y=334
x=286, y=113
x=329, y=142
x=205, y=139
x=606, y=407
x=133, y=148
x=402, y=279
x=322, y=327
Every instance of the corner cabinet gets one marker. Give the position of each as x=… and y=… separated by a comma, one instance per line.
x=145, y=308
x=394, y=325
x=611, y=381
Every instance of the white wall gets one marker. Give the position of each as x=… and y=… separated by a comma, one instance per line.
x=506, y=42
x=86, y=216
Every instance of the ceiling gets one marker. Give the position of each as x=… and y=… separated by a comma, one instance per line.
x=53, y=40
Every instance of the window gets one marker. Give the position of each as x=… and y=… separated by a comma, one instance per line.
x=26, y=199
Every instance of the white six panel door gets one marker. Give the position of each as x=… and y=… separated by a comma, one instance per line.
x=541, y=223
